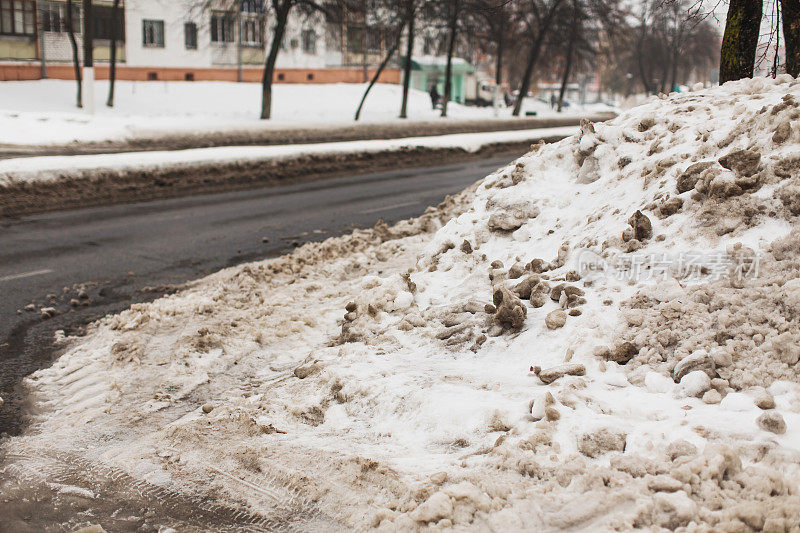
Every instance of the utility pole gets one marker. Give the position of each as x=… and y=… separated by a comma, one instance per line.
x=88, y=57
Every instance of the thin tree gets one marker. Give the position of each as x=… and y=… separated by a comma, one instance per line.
x=739, y=43
x=790, y=11
x=76, y=61
x=492, y=22
x=574, y=32
x=282, y=9
x=538, y=26
x=455, y=8
x=410, y=16
x=389, y=54
x=112, y=65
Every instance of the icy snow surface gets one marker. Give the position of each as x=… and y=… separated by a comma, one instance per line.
x=438, y=373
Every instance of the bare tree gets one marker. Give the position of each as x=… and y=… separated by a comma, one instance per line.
x=537, y=20
x=397, y=37
x=282, y=8
x=574, y=33
x=452, y=29
x=790, y=12
x=410, y=19
x=76, y=62
x=669, y=41
x=281, y=11
x=739, y=43
x=112, y=65
x=492, y=21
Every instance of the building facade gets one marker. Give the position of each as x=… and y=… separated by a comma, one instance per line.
x=220, y=40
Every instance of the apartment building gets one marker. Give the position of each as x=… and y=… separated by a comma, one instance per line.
x=188, y=40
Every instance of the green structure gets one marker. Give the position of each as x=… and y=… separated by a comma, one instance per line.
x=427, y=70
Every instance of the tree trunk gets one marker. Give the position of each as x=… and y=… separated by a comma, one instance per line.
x=533, y=57
x=738, y=53
x=790, y=10
x=451, y=45
x=643, y=74
x=381, y=67
x=674, y=77
x=664, y=74
x=76, y=62
x=410, y=16
x=112, y=66
x=282, y=16
x=498, y=71
x=567, y=68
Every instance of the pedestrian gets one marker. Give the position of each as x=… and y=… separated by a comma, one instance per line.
x=434, y=92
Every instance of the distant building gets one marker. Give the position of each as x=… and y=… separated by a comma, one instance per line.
x=427, y=71
x=179, y=40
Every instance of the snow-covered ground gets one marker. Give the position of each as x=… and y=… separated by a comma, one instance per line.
x=601, y=336
x=48, y=168
x=43, y=112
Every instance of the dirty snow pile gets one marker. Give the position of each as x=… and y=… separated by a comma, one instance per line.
x=603, y=335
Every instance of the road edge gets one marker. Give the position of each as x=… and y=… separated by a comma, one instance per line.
x=102, y=187
x=268, y=135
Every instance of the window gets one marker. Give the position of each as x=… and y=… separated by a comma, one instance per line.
x=355, y=39
x=190, y=35
x=309, y=41
x=429, y=47
x=252, y=30
x=374, y=40
x=54, y=17
x=253, y=6
x=153, y=33
x=105, y=24
x=222, y=23
x=17, y=17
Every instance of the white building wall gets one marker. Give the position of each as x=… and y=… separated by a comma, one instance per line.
x=175, y=13
x=292, y=54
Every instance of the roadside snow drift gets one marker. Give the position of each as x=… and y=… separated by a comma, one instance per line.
x=602, y=335
x=63, y=168
x=43, y=112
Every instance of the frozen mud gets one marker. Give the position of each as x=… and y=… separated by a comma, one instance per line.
x=601, y=336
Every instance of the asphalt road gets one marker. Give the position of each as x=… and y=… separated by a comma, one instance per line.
x=90, y=262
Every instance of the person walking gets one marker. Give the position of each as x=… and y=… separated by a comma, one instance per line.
x=434, y=92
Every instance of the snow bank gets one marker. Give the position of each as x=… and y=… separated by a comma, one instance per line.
x=48, y=168
x=43, y=112
x=602, y=335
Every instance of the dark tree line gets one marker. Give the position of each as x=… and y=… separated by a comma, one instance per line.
x=661, y=49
